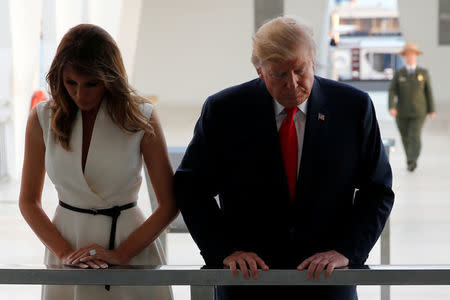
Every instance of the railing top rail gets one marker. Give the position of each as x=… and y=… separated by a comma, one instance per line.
x=194, y=275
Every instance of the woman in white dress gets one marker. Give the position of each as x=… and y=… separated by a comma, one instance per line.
x=90, y=138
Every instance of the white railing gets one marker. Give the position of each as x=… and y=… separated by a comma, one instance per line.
x=204, y=281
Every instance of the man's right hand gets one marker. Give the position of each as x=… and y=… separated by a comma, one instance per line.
x=245, y=260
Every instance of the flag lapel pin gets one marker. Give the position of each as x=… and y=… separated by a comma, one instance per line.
x=321, y=117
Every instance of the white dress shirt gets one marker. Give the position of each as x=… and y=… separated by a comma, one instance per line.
x=411, y=69
x=299, y=121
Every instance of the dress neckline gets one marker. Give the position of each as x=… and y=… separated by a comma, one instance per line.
x=91, y=152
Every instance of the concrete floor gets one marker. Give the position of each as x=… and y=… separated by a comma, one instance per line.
x=420, y=220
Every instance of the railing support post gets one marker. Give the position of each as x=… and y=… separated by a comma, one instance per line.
x=203, y=292
x=385, y=239
x=385, y=246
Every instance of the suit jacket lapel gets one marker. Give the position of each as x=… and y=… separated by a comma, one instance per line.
x=315, y=131
x=268, y=126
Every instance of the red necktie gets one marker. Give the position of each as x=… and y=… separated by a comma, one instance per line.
x=289, y=148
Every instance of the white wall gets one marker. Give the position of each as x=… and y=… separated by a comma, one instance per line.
x=188, y=50
x=419, y=24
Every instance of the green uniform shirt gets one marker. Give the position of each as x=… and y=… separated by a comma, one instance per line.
x=411, y=94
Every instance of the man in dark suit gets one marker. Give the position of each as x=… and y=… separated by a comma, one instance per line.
x=299, y=167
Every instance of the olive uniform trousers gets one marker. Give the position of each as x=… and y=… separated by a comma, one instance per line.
x=410, y=130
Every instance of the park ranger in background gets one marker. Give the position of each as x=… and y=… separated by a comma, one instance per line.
x=410, y=101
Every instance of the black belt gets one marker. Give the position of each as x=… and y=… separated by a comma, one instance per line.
x=113, y=212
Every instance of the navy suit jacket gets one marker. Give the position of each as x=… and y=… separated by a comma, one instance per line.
x=343, y=195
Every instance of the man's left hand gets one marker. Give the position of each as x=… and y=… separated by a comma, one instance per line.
x=319, y=261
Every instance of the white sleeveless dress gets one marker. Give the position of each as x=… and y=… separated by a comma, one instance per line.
x=112, y=177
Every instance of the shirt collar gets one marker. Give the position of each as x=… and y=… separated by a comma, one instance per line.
x=280, y=108
x=412, y=68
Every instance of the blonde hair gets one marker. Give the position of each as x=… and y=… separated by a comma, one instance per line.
x=279, y=40
x=90, y=50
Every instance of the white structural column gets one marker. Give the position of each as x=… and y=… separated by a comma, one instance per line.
x=25, y=22
x=6, y=139
x=117, y=17
x=187, y=50
x=419, y=24
x=49, y=42
x=317, y=15
x=106, y=13
x=69, y=13
x=5, y=54
x=127, y=36
x=100, y=12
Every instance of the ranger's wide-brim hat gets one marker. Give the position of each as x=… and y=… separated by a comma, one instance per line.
x=410, y=47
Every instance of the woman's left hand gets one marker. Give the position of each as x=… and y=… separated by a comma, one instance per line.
x=95, y=252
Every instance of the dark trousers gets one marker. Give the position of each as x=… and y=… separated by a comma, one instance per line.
x=410, y=130
x=286, y=292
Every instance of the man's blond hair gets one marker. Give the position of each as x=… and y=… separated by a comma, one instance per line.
x=281, y=39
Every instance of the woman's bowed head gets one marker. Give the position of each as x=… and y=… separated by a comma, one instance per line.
x=87, y=69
